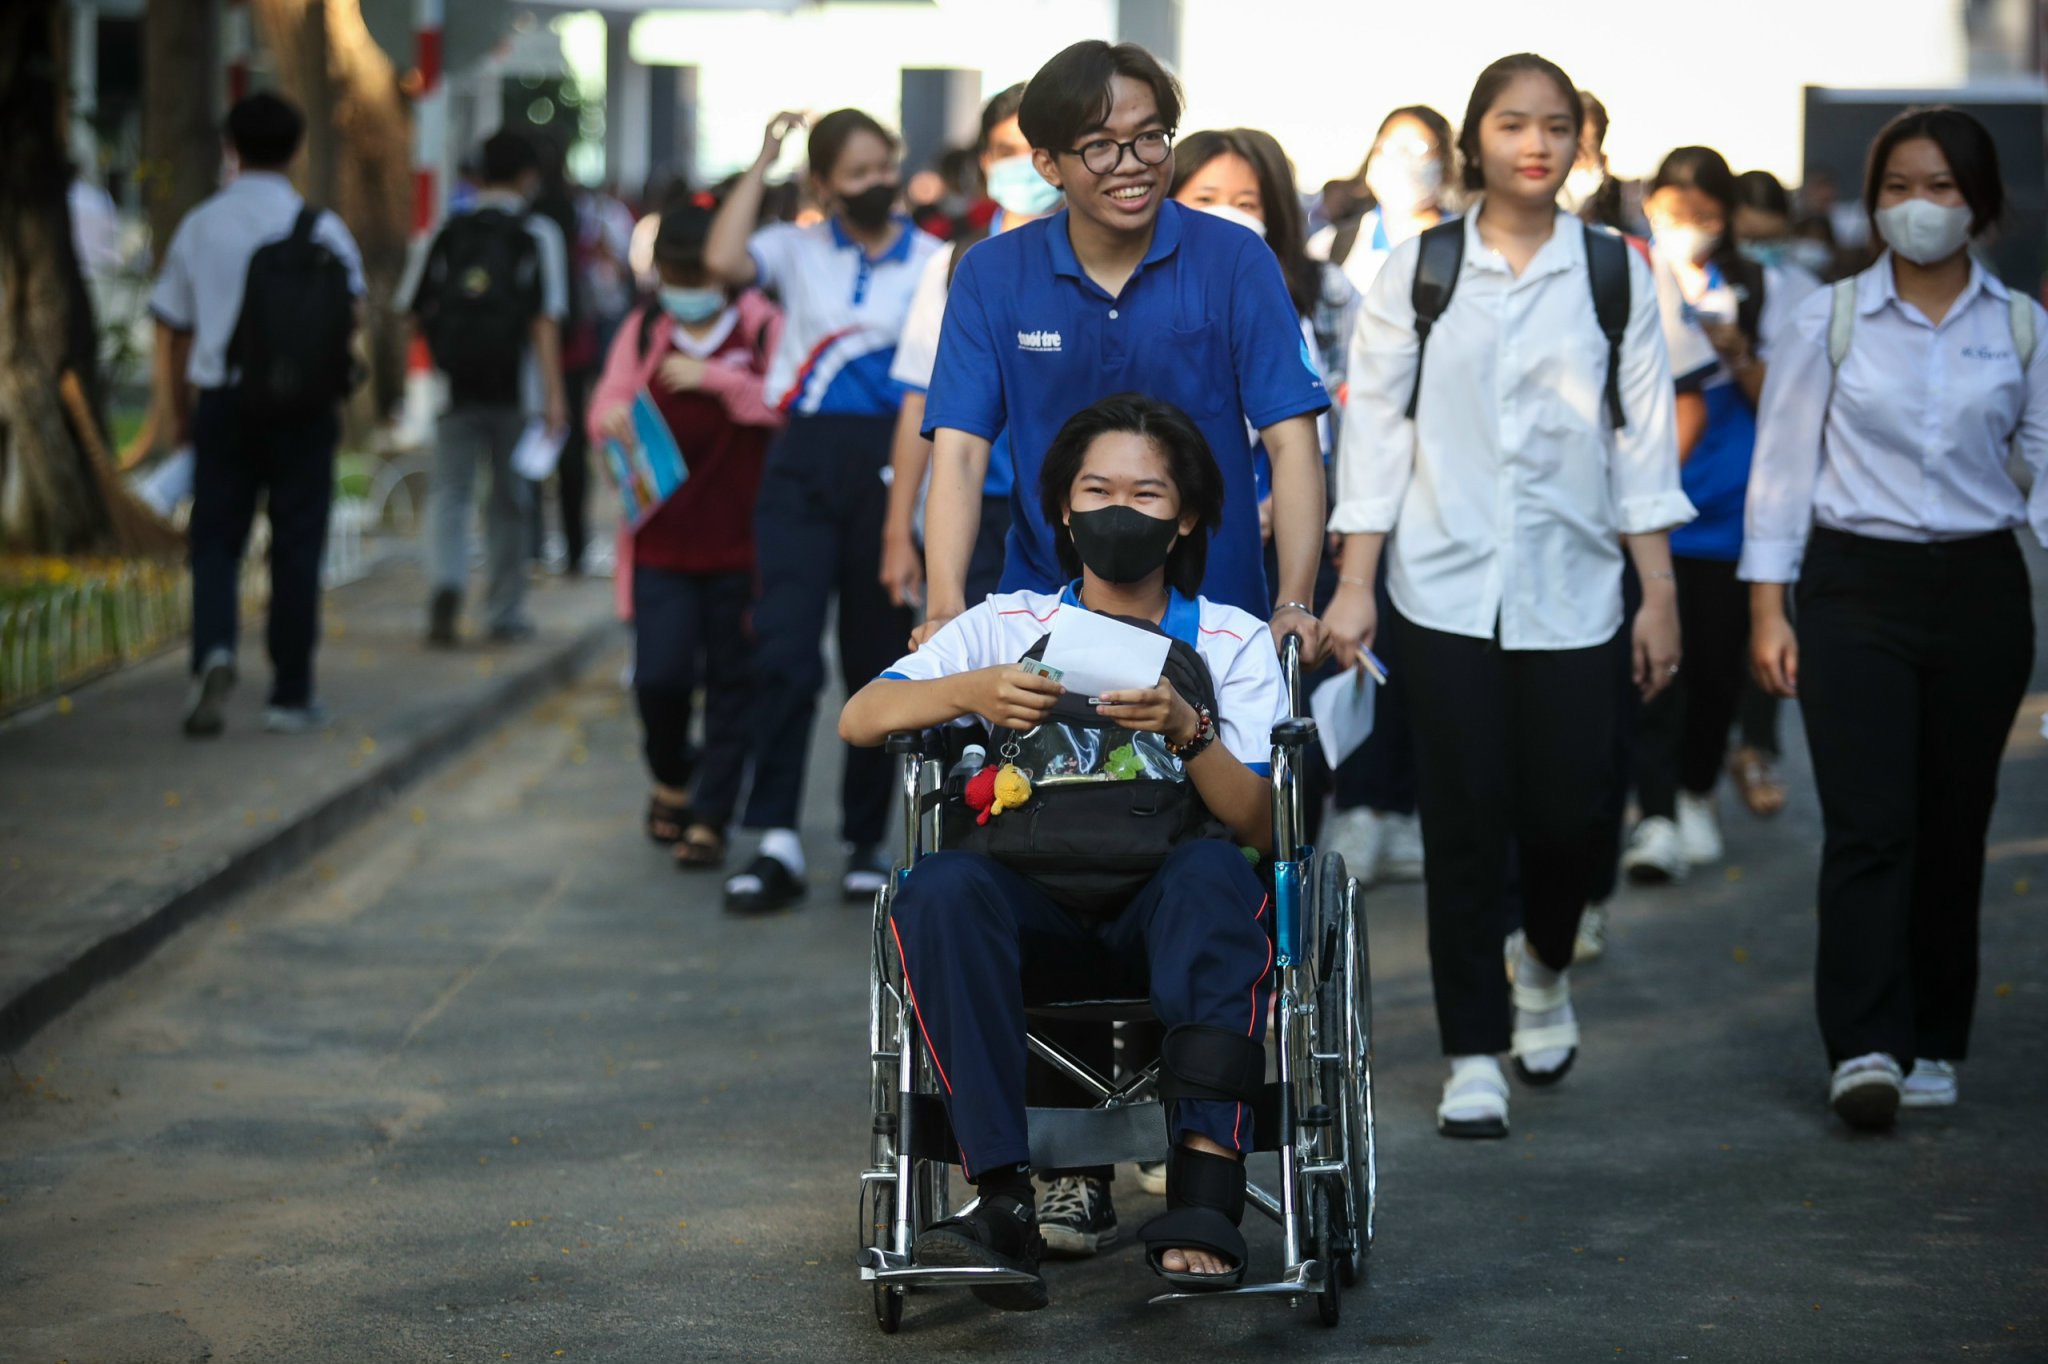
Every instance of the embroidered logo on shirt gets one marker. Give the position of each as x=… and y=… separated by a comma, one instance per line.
x=1043, y=342
x=1985, y=353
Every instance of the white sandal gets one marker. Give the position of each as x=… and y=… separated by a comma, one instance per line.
x=1562, y=1037
x=1475, y=1103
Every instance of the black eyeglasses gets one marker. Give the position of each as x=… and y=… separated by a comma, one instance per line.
x=1105, y=154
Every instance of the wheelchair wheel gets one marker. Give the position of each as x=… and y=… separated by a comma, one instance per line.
x=878, y=1214
x=1361, y=1184
x=1324, y=1237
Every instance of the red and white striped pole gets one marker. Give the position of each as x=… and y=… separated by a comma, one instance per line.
x=237, y=40
x=429, y=151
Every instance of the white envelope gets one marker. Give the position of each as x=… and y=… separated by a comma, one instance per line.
x=538, y=452
x=1343, y=708
x=1096, y=654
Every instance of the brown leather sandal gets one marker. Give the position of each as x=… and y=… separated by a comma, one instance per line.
x=666, y=820
x=701, y=848
x=1756, y=781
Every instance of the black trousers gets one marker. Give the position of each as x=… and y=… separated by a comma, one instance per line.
x=1380, y=775
x=817, y=532
x=291, y=465
x=1913, y=660
x=1759, y=717
x=985, y=568
x=690, y=628
x=1515, y=747
x=572, y=480
x=1682, y=736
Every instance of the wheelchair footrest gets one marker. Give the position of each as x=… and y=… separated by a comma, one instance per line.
x=1305, y=1281
x=880, y=1266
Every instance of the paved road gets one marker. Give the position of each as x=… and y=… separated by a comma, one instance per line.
x=488, y=1081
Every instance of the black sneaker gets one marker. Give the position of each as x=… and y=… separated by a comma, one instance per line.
x=867, y=872
x=994, y=1232
x=765, y=885
x=442, y=613
x=1076, y=1216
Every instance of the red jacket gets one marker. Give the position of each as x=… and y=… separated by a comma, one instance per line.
x=723, y=427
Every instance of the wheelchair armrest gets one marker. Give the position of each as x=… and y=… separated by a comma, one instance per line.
x=1294, y=733
x=903, y=743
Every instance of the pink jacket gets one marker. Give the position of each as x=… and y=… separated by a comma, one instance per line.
x=742, y=389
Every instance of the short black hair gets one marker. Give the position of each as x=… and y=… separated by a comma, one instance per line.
x=508, y=154
x=1070, y=94
x=264, y=129
x=1764, y=192
x=997, y=112
x=1486, y=91
x=686, y=216
x=830, y=134
x=1189, y=463
x=1967, y=146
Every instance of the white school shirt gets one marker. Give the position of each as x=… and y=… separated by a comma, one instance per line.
x=1251, y=696
x=1913, y=445
x=842, y=314
x=1506, y=497
x=553, y=255
x=200, y=287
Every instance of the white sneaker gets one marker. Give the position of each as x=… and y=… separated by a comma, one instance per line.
x=1931, y=1085
x=1401, y=850
x=1152, y=1177
x=1591, y=944
x=1360, y=838
x=1653, y=857
x=1865, y=1090
x=1699, y=829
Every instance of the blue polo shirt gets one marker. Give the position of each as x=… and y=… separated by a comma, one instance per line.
x=1205, y=322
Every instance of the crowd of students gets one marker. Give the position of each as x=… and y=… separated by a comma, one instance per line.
x=1597, y=499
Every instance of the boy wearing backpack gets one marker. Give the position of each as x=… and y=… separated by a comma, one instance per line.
x=259, y=296
x=489, y=296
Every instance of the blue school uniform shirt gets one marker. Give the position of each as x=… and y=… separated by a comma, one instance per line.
x=842, y=310
x=1205, y=322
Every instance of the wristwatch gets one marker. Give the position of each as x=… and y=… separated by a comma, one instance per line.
x=1205, y=734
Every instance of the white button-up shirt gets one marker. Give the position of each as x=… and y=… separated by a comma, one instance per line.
x=200, y=287
x=1913, y=445
x=1508, y=493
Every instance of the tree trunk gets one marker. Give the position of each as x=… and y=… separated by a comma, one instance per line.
x=358, y=153
x=50, y=499
x=180, y=119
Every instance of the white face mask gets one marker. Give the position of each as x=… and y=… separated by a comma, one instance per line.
x=1579, y=188
x=1402, y=181
x=1231, y=213
x=1687, y=244
x=1923, y=231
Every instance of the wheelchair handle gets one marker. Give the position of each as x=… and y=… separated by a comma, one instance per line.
x=1290, y=672
x=903, y=743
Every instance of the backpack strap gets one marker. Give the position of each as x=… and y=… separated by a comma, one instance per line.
x=1841, y=322
x=1440, y=256
x=1347, y=238
x=303, y=225
x=1607, y=272
x=2021, y=309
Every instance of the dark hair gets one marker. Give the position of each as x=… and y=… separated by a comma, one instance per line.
x=1070, y=94
x=264, y=129
x=1762, y=191
x=1595, y=114
x=1286, y=232
x=1486, y=91
x=1189, y=463
x=997, y=112
x=685, y=225
x=1966, y=145
x=1706, y=170
x=1439, y=128
x=830, y=134
x=508, y=154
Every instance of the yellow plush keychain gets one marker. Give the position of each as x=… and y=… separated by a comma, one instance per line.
x=1013, y=788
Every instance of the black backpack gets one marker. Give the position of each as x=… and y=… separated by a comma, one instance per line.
x=477, y=299
x=1090, y=844
x=1436, y=278
x=291, y=340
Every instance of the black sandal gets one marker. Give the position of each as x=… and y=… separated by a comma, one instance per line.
x=775, y=886
x=1204, y=1205
x=998, y=1232
x=666, y=820
x=701, y=848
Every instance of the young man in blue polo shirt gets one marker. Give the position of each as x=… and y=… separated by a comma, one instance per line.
x=1122, y=291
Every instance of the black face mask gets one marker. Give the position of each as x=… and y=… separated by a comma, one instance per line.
x=1122, y=544
x=869, y=209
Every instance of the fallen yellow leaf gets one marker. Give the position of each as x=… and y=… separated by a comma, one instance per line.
x=170, y=800
x=63, y=705
x=419, y=816
x=1741, y=955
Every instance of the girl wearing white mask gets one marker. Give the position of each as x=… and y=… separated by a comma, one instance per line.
x=1881, y=489
x=1405, y=184
x=1019, y=194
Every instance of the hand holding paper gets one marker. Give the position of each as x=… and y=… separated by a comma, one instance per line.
x=1095, y=654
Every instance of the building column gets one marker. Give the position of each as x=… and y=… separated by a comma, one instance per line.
x=627, y=108
x=941, y=109
x=1154, y=25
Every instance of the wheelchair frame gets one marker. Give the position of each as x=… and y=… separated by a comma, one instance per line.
x=1318, y=1114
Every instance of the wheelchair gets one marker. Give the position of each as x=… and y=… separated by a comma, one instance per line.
x=1317, y=1114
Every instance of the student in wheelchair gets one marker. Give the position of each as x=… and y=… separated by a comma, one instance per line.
x=1175, y=910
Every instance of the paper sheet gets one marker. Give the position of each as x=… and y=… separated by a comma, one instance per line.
x=537, y=452
x=1343, y=708
x=168, y=482
x=1096, y=654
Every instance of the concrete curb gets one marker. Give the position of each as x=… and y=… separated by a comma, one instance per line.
x=289, y=844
